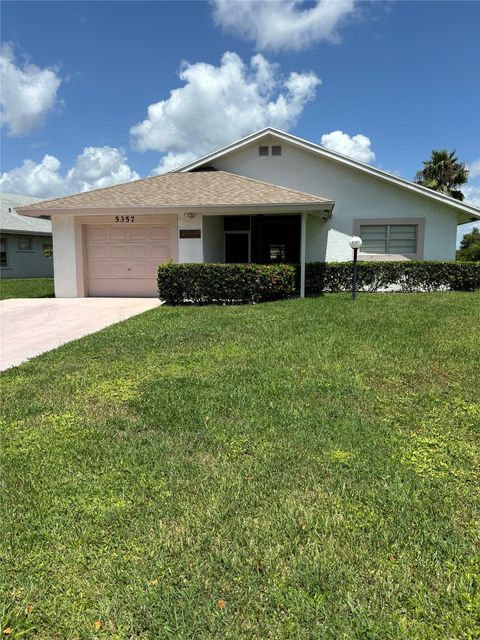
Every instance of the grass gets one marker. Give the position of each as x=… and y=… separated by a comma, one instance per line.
x=26, y=288
x=304, y=469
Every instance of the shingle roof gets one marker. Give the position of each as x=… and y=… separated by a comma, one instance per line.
x=11, y=221
x=195, y=189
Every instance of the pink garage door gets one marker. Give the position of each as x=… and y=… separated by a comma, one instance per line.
x=123, y=261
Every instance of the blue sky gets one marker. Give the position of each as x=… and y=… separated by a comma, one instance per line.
x=403, y=75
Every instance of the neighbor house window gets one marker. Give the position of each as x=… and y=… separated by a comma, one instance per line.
x=400, y=239
x=263, y=151
x=276, y=150
x=25, y=244
x=3, y=251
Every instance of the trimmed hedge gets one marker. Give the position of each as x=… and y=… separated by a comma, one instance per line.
x=248, y=283
x=225, y=283
x=406, y=276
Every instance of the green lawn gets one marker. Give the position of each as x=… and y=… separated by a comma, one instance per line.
x=303, y=469
x=26, y=288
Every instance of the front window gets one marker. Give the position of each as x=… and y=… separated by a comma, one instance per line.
x=397, y=239
x=3, y=251
x=24, y=244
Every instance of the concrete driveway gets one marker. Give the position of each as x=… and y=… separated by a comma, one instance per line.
x=29, y=327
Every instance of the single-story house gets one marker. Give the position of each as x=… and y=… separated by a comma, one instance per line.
x=23, y=240
x=269, y=197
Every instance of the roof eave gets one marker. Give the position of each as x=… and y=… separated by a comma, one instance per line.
x=26, y=232
x=290, y=207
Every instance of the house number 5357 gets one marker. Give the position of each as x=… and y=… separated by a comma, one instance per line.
x=124, y=218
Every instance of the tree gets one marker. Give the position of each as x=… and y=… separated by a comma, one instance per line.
x=442, y=172
x=470, y=246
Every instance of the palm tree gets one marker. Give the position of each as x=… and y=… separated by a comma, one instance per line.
x=442, y=172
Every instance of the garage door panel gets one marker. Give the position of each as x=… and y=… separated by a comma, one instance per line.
x=159, y=233
x=123, y=260
x=97, y=233
x=159, y=253
x=118, y=233
x=119, y=269
x=119, y=251
x=106, y=287
x=139, y=251
x=139, y=233
x=98, y=268
x=99, y=251
x=140, y=270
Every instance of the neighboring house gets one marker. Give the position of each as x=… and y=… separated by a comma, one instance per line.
x=270, y=197
x=23, y=240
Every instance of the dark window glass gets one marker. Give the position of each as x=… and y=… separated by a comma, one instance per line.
x=3, y=251
x=236, y=223
x=263, y=151
x=276, y=150
x=236, y=247
x=25, y=244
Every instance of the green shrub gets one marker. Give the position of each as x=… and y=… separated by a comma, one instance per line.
x=225, y=283
x=248, y=283
x=405, y=276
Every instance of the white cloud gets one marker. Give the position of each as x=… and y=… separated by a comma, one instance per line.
x=472, y=195
x=218, y=105
x=474, y=169
x=357, y=147
x=28, y=93
x=283, y=24
x=94, y=168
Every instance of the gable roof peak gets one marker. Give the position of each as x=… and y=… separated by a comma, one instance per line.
x=312, y=147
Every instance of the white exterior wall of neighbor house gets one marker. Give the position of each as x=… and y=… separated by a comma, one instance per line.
x=356, y=195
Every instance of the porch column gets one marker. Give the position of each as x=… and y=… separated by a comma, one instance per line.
x=303, y=243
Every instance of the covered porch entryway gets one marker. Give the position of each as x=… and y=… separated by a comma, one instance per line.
x=262, y=239
x=257, y=238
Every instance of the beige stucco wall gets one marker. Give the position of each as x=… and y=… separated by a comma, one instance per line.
x=356, y=195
